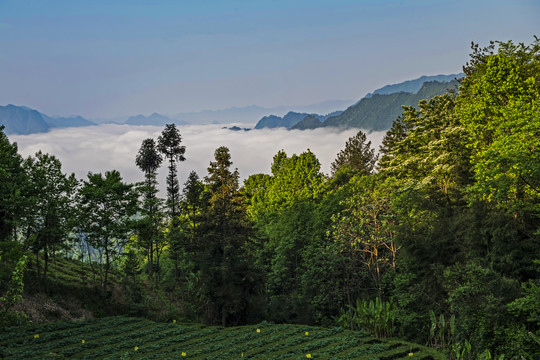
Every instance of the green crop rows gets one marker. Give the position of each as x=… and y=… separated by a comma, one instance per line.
x=134, y=338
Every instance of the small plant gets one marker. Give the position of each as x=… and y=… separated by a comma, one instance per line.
x=376, y=317
x=441, y=331
x=13, y=295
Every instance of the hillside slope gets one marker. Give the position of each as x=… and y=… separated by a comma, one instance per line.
x=379, y=111
x=413, y=86
x=21, y=120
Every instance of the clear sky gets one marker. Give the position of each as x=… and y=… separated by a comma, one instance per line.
x=107, y=58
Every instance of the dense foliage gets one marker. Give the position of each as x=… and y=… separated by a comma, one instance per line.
x=439, y=242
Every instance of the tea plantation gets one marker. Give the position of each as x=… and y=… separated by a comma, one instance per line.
x=135, y=338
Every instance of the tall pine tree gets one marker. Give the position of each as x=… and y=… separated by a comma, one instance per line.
x=169, y=146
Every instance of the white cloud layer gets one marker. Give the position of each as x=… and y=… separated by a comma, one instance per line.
x=106, y=147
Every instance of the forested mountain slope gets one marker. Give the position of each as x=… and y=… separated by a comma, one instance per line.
x=379, y=111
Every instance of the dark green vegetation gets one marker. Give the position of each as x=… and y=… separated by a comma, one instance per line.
x=438, y=244
x=134, y=338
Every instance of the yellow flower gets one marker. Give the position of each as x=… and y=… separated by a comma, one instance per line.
x=242, y=354
x=36, y=336
x=258, y=330
x=136, y=348
x=183, y=353
x=411, y=354
x=308, y=356
x=82, y=341
x=174, y=321
x=307, y=333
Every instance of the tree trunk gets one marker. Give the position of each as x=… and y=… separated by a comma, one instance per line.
x=107, y=264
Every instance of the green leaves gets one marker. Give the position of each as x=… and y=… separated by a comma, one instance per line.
x=499, y=103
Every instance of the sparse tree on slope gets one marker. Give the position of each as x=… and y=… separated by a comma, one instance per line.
x=107, y=205
x=53, y=194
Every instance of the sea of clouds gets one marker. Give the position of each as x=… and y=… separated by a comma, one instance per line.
x=106, y=147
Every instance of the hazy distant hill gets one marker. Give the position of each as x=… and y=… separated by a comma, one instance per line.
x=413, y=86
x=308, y=122
x=63, y=122
x=22, y=120
x=154, y=119
x=250, y=114
x=290, y=120
x=379, y=111
x=273, y=121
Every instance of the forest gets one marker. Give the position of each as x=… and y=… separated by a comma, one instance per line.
x=435, y=238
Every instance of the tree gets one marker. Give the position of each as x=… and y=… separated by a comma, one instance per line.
x=294, y=179
x=499, y=102
x=398, y=132
x=149, y=160
x=169, y=145
x=107, y=205
x=357, y=156
x=53, y=196
x=366, y=226
x=225, y=248
x=13, y=201
x=182, y=235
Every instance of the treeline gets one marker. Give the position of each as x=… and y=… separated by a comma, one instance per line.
x=436, y=239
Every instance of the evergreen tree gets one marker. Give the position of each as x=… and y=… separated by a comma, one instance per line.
x=181, y=236
x=149, y=160
x=225, y=247
x=169, y=145
x=399, y=130
x=357, y=156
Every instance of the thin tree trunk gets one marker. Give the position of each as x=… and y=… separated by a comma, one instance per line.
x=107, y=264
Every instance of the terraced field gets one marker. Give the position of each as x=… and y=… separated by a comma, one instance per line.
x=135, y=338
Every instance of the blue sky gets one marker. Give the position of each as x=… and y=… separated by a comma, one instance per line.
x=112, y=58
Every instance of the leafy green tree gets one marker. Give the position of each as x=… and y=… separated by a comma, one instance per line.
x=358, y=156
x=53, y=196
x=169, y=145
x=225, y=247
x=499, y=101
x=294, y=179
x=366, y=226
x=107, y=205
x=13, y=202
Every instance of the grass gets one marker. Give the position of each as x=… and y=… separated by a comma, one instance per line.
x=135, y=338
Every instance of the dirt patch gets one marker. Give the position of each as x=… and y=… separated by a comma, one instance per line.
x=42, y=308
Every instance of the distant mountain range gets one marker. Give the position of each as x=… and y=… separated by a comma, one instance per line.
x=22, y=120
x=376, y=111
x=250, y=114
x=413, y=86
